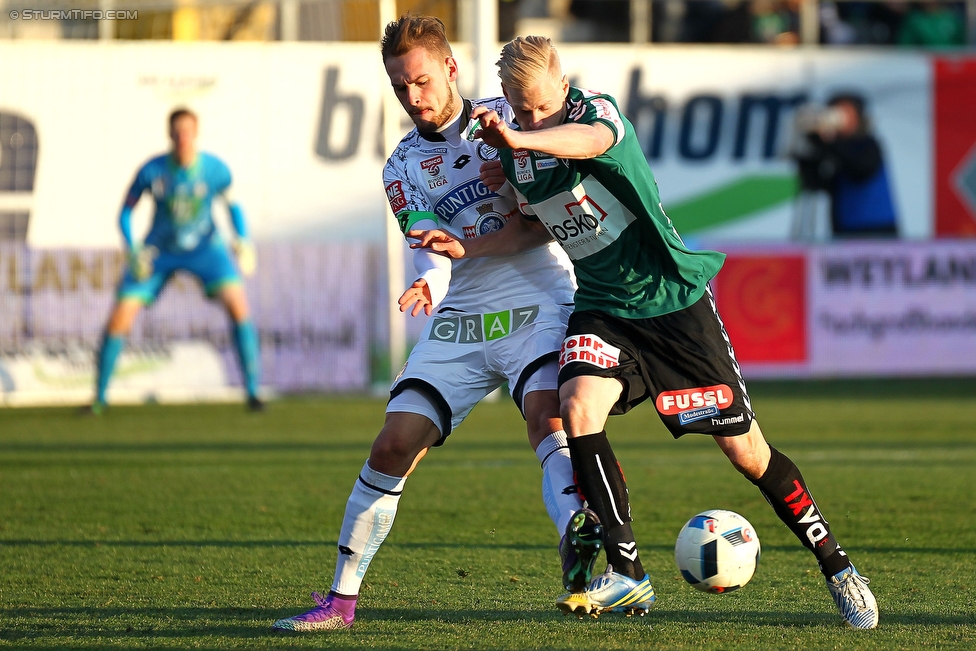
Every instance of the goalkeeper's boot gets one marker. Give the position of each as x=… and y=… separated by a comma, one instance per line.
x=255, y=404
x=96, y=408
x=579, y=548
x=610, y=592
x=854, y=598
x=331, y=613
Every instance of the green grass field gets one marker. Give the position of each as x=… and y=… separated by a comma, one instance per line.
x=198, y=526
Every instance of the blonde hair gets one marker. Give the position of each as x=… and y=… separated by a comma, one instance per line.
x=526, y=60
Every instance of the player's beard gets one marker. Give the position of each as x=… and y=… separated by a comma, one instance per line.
x=439, y=120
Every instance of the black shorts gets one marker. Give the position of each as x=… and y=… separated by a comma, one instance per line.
x=683, y=360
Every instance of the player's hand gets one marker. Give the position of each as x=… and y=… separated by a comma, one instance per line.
x=492, y=175
x=141, y=261
x=494, y=131
x=417, y=296
x=438, y=241
x=247, y=256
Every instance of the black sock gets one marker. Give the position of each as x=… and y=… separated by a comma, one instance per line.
x=602, y=485
x=783, y=487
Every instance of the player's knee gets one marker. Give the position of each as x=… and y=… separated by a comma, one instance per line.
x=747, y=461
x=575, y=412
x=391, y=452
x=541, y=409
x=122, y=317
x=399, y=443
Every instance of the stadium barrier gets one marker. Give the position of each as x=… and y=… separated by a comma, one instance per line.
x=309, y=301
x=851, y=309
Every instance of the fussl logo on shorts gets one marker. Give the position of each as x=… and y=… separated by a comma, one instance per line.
x=694, y=404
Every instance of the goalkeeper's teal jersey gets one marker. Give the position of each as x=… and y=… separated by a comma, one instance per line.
x=183, y=196
x=607, y=215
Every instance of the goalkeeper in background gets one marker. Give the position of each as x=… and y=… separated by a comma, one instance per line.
x=183, y=237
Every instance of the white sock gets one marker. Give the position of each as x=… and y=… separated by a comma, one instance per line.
x=370, y=511
x=559, y=493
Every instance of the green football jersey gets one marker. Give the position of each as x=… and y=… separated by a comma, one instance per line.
x=607, y=215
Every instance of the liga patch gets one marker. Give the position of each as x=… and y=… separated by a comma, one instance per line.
x=478, y=328
x=589, y=349
x=698, y=403
x=523, y=166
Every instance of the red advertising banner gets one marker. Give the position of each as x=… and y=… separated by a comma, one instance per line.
x=762, y=300
x=955, y=147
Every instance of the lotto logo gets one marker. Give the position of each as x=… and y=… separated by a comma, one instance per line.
x=394, y=194
x=671, y=403
x=432, y=165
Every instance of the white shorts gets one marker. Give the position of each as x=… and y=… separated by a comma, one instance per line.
x=462, y=357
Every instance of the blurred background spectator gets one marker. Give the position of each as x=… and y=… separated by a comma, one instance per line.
x=932, y=23
x=837, y=152
x=777, y=22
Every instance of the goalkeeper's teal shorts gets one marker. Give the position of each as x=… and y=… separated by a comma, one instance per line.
x=210, y=262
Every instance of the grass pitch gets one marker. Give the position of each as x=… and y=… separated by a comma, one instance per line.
x=198, y=526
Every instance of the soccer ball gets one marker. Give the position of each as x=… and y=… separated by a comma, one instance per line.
x=717, y=551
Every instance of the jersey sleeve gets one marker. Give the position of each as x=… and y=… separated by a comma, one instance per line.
x=408, y=203
x=592, y=107
x=140, y=184
x=524, y=207
x=219, y=176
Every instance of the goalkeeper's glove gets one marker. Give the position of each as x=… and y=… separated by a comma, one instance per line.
x=247, y=256
x=141, y=259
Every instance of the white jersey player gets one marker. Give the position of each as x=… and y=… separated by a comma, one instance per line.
x=493, y=320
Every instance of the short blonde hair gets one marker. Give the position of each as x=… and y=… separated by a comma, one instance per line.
x=526, y=60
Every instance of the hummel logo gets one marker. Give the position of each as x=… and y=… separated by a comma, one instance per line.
x=345, y=551
x=628, y=550
x=461, y=161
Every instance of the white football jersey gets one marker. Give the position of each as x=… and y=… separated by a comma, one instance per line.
x=438, y=173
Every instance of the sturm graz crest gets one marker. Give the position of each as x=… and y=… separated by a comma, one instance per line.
x=489, y=220
x=486, y=152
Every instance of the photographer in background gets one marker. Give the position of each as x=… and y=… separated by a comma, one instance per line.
x=837, y=153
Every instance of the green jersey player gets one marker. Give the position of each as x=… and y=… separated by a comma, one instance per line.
x=644, y=325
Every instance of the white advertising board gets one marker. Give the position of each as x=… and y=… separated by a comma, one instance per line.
x=299, y=126
x=893, y=309
x=310, y=302
x=851, y=309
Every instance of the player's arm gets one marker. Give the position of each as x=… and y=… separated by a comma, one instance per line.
x=244, y=250
x=570, y=140
x=243, y=247
x=140, y=258
x=433, y=269
x=518, y=235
